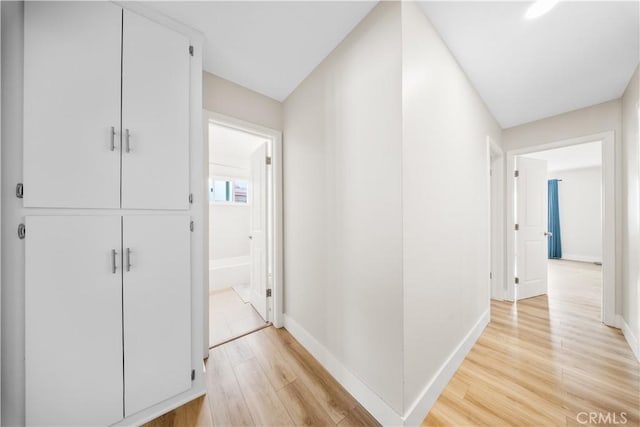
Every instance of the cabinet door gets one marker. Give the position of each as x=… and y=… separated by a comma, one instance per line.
x=72, y=104
x=155, y=115
x=73, y=320
x=157, y=309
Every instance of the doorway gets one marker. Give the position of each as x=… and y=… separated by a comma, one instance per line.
x=561, y=243
x=243, y=234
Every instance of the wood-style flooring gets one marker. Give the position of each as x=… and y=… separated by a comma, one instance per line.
x=230, y=316
x=546, y=361
x=267, y=379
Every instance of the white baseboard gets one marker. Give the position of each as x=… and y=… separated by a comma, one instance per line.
x=380, y=410
x=421, y=407
x=581, y=258
x=632, y=340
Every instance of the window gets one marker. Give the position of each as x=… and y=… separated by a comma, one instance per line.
x=228, y=190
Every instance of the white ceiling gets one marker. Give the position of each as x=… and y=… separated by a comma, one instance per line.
x=269, y=47
x=572, y=157
x=579, y=54
x=231, y=147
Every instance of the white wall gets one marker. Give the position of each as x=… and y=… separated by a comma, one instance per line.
x=342, y=204
x=445, y=207
x=586, y=121
x=631, y=211
x=580, y=202
x=225, y=97
x=228, y=223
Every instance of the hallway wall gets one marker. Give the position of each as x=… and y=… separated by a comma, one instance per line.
x=631, y=210
x=342, y=207
x=445, y=211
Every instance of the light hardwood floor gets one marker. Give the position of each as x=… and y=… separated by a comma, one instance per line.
x=544, y=361
x=230, y=316
x=267, y=379
x=540, y=362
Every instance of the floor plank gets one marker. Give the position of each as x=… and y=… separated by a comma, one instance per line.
x=545, y=360
x=264, y=404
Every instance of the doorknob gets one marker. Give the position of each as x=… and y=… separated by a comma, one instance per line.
x=250, y=237
x=548, y=233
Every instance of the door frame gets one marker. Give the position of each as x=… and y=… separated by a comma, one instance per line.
x=275, y=212
x=607, y=140
x=495, y=158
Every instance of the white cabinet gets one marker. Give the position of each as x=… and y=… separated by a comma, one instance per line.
x=108, y=318
x=106, y=109
x=72, y=104
x=73, y=321
x=157, y=301
x=155, y=115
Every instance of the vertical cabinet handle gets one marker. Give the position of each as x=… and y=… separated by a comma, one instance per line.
x=112, y=141
x=114, y=267
x=127, y=138
x=128, y=255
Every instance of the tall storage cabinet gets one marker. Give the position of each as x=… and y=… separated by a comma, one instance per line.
x=108, y=286
x=106, y=109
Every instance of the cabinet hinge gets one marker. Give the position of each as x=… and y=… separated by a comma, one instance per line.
x=268, y=293
x=516, y=174
x=193, y=374
x=19, y=190
x=22, y=231
x=268, y=160
x=517, y=227
x=191, y=50
x=191, y=226
x=190, y=197
x=490, y=275
x=517, y=280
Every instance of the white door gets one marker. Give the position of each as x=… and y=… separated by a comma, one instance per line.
x=531, y=217
x=157, y=309
x=155, y=115
x=258, y=226
x=72, y=104
x=73, y=320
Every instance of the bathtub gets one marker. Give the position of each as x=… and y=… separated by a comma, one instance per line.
x=228, y=272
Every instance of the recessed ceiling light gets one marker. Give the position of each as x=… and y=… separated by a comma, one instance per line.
x=539, y=8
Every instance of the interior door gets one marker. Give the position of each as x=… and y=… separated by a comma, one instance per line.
x=72, y=104
x=73, y=320
x=157, y=309
x=531, y=217
x=258, y=220
x=155, y=115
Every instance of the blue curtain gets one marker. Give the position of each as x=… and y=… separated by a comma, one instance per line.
x=555, y=242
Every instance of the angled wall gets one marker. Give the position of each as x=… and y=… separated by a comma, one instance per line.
x=445, y=212
x=342, y=209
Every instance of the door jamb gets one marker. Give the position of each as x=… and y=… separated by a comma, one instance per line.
x=276, y=214
x=607, y=140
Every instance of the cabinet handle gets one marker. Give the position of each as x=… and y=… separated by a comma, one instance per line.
x=128, y=259
x=127, y=137
x=113, y=261
x=112, y=144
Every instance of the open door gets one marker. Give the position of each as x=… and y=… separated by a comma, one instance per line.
x=531, y=227
x=258, y=242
